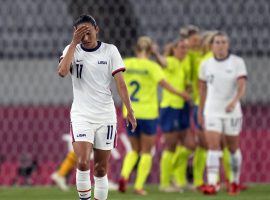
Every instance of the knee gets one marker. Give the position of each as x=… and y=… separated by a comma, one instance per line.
x=100, y=170
x=83, y=164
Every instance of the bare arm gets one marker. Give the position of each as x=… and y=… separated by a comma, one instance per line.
x=123, y=93
x=241, y=90
x=160, y=58
x=163, y=83
x=203, y=90
x=65, y=63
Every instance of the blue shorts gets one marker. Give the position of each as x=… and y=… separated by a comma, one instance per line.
x=174, y=119
x=148, y=127
x=195, y=117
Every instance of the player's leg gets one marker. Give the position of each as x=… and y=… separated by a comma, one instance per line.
x=186, y=147
x=131, y=158
x=199, y=158
x=226, y=160
x=213, y=138
x=83, y=139
x=232, y=131
x=59, y=177
x=104, y=142
x=83, y=183
x=147, y=140
x=169, y=123
x=145, y=162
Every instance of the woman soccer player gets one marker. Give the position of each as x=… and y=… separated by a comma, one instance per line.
x=93, y=119
x=143, y=77
x=222, y=85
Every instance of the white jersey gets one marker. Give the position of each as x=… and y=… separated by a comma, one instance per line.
x=92, y=71
x=221, y=79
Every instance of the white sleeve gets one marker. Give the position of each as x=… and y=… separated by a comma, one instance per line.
x=117, y=63
x=202, y=74
x=64, y=53
x=241, y=70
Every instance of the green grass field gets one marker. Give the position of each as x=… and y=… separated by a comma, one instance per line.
x=256, y=192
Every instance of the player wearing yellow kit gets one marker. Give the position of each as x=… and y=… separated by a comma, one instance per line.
x=143, y=77
x=172, y=118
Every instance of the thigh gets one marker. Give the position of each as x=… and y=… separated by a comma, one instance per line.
x=232, y=142
x=105, y=136
x=171, y=140
x=101, y=162
x=83, y=151
x=135, y=143
x=147, y=142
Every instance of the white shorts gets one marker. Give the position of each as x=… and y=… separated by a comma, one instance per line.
x=228, y=126
x=102, y=136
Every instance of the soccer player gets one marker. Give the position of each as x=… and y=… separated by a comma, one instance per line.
x=93, y=65
x=172, y=114
x=222, y=85
x=199, y=159
x=143, y=77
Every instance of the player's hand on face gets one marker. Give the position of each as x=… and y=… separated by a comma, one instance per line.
x=131, y=120
x=230, y=107
x=79, y=33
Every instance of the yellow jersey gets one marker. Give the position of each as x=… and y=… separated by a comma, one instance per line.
x=142, y=77
x=195, y=81
x=175, y=74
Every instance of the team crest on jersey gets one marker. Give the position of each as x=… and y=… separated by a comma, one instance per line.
x=101, y=62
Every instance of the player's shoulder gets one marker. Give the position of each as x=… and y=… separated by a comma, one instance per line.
x=236, y=58
x=109, y=46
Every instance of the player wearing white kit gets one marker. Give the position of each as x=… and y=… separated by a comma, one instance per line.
x=222, y=85
x=93, y=118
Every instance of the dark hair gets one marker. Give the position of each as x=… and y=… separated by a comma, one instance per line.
x=85, y=19
x=219, y=33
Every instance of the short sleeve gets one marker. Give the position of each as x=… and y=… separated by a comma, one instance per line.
x=64, y=53
x=157, y=73
x=202, y=71
x=241, y=71
x=117, y=63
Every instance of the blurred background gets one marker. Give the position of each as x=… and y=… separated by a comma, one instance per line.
x=35, y=102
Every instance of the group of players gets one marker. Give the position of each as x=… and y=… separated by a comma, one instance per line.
x=199, y=78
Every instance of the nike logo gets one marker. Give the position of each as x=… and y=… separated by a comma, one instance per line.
x=79, y=60
x=108, y=142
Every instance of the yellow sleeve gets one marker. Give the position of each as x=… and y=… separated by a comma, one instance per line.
x=156, y=73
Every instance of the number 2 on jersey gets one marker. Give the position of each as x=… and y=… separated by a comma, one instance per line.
x=136, y=86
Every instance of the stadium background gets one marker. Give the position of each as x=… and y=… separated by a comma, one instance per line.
x=35, y=102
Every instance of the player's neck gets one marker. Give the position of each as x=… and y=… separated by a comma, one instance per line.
x=90, y=45
x=221, y=57
x=142, y=55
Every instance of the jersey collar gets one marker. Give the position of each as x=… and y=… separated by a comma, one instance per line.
x=93, y=49
x=220, y=60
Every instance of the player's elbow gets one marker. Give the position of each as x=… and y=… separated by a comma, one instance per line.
x=62, y=72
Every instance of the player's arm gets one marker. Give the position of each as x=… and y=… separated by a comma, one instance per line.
x=164, y=84
x=66, y=60
x=203, y=91
x=241, y=89
x=160, y=58
x=123, y=93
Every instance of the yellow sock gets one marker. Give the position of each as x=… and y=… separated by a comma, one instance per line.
x=68, y=164
x=226, y=160
x=165, y=168
x=129, y=162
x=143, y=170
x=180, y=165
x=199, y=162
